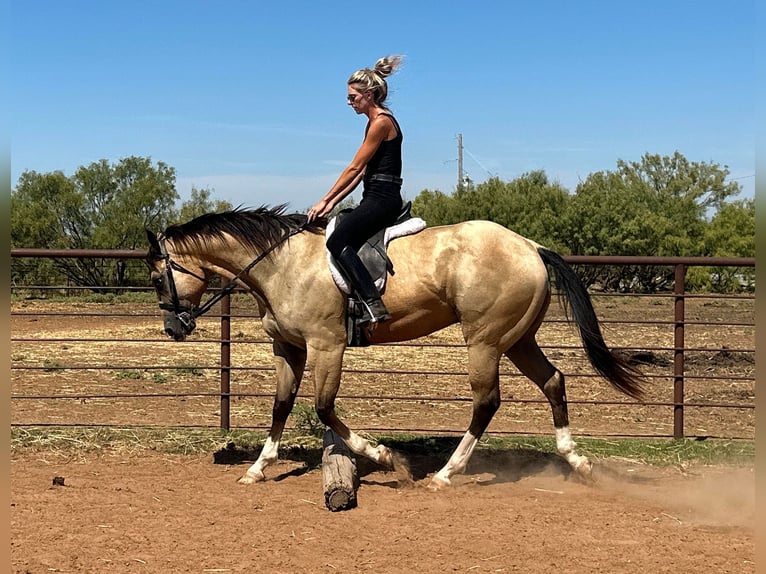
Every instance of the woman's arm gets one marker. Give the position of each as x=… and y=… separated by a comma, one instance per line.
x=351, y=176
x=343, y=193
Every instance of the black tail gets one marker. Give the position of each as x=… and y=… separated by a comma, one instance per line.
x=574, y=296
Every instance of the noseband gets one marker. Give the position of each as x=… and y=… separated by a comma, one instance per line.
x=187, y=315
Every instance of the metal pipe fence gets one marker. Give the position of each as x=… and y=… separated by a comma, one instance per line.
x=228, y=371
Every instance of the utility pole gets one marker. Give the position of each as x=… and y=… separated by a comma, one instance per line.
x=460, y=178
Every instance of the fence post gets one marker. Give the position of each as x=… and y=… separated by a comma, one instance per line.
x=225, y=362
x=678, y=355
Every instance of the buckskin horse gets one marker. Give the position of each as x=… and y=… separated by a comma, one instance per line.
x=491, y=280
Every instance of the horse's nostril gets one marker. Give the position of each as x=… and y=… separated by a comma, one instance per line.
x=169, y=333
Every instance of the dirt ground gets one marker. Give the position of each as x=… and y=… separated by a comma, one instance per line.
x=522, y=512
x=513, y=511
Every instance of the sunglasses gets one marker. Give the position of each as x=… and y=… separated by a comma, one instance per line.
x=353, y=97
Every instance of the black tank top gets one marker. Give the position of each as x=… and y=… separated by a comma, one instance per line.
x=388, y=157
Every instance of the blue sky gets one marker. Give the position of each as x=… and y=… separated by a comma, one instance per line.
x=248, y=98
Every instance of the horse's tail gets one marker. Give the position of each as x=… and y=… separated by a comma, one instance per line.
x=574, y=296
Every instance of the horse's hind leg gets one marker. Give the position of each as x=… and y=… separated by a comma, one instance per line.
x=532, y=362
x=290, y=363
x=483, y=362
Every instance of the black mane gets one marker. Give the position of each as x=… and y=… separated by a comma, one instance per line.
x=258, y=229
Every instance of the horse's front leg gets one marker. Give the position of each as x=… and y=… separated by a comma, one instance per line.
x=290, y=363
x=327, y=367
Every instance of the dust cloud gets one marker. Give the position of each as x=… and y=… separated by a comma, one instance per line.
x=702, y=495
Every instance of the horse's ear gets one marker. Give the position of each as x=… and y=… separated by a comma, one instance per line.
x=154, y=245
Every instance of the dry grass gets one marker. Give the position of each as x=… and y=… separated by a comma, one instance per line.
x=83, y=442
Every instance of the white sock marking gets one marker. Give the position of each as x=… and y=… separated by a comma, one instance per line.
x=566, y=446
x=459, y=458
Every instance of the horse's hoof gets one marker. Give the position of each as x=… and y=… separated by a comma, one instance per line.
x=252, y=478
x=436, y=484
x=584, y=469
x=385, y=457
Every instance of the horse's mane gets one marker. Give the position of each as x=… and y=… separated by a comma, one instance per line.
x=257, y=229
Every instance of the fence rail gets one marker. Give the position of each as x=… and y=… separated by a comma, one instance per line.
x=677, y=321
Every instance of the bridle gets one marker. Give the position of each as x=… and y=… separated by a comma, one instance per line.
x=187, y=315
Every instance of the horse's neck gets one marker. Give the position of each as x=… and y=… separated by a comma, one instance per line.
x=296, y=257
x=224, y=258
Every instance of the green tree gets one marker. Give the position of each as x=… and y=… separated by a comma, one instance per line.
x=675, y=177
x=348, y=203
x=102, y=206
x=656, y=206
x=730, y=233
x=199, y=203
x=123, y=199
x=435, y=208
x=44, y=209
x=530, y=205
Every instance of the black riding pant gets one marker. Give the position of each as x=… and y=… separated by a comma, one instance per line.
x=376, y=211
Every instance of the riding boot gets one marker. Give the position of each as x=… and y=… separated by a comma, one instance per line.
x=356, y=273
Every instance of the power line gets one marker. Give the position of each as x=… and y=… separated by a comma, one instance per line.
x=461, y=176
x=489, y=173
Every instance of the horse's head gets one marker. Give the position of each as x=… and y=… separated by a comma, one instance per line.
x=179, y=285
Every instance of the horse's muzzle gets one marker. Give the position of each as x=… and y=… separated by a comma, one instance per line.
x=178, y=326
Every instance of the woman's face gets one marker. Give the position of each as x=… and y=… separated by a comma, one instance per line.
x=360, y=101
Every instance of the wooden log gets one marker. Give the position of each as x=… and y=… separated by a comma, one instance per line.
x=339, y=475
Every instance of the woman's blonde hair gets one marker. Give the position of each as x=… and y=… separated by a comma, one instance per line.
x=374, y=79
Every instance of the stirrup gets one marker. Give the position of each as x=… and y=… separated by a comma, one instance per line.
x=374, y=312
x=357, y=332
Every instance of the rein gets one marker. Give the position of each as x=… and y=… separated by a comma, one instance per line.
x=187, y=316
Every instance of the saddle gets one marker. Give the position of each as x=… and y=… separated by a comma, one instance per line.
x=375, y=258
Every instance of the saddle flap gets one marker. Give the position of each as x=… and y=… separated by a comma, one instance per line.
x=373, y=252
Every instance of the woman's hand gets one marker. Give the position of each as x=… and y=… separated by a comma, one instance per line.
x=320, y=209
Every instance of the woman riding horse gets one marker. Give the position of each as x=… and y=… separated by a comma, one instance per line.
x=379, y=163
x=492, y=281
